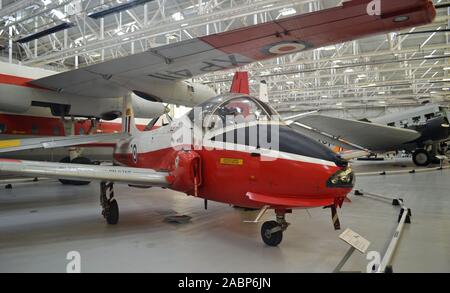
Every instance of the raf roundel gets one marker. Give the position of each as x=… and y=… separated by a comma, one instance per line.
x=286, y=48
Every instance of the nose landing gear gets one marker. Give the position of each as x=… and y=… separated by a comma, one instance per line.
x=272, y=231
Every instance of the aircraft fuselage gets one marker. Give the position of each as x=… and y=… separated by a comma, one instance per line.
x=296, y=173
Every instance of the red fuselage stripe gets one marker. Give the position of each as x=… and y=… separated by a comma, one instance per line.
x=45, y=126
x=17, y=80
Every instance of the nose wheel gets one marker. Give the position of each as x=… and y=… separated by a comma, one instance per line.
x=110, y=208
x=272, y=231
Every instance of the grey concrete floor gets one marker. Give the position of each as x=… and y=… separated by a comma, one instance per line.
x=41, y=222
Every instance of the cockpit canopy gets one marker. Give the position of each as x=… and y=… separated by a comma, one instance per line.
x=231, y=109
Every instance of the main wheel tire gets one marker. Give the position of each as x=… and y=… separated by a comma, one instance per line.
x=112, y=214
x=79, y=160
x=421, y=158
x=271, y=239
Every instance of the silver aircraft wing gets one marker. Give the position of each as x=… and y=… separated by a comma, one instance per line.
x=366, y=135
x=138, y=176
x=324, y=137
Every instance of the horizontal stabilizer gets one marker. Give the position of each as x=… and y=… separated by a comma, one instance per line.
x=12, y=145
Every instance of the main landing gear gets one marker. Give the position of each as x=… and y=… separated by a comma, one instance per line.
x=272, y=231
x=421, y=157
x=110, y=208
x=427, y=155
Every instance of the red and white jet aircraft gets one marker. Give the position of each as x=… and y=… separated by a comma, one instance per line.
x=238, y=163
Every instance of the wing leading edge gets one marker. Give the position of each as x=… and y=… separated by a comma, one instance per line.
x=117, y=174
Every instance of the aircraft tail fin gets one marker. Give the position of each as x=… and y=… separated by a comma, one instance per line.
x=240, y=83
x=128, y=119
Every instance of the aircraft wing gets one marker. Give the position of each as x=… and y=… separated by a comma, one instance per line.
x=69, y=171
x=184, y=60
x=351, y=151
x=323, y=137
x=358, y=134
x=57, y=141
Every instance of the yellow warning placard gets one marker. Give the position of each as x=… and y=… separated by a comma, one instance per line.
x=233, y=162
x=9, y=143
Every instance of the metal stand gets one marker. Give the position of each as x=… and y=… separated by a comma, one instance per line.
x=387, y=258
x=9, y=182
x=395, y=201
x=344, y=260
x=404, y=217
x=356, y=242
x=408, y=171
x=441, y=159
